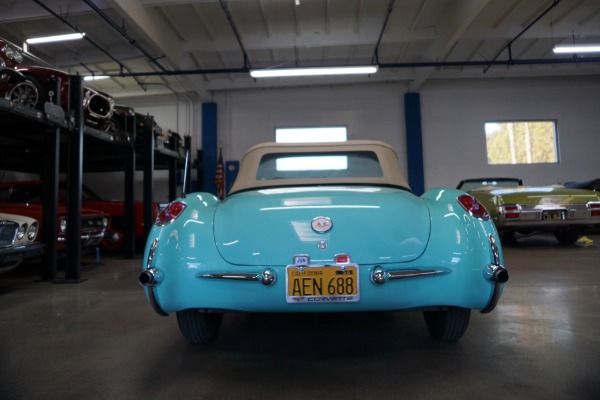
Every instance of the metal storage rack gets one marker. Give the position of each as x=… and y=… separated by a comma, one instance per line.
x=48, y=143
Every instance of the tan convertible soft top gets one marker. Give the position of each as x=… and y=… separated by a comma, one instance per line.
x=388, y=159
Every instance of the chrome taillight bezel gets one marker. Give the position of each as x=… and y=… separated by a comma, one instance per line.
x=473, y=207
x=170, y=213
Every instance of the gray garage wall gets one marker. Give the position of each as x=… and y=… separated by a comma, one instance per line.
x=453, y=116
x=246, y=118
x=454, y=113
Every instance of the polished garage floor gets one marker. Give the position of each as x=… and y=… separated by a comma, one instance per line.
x=100, y=340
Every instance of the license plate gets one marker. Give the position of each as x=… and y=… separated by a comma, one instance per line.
x=554, y=215
x=322, y=283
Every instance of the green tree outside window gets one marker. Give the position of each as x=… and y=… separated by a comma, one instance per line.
x=521, y=142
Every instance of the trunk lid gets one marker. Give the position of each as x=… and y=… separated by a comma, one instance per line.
x=371, y=224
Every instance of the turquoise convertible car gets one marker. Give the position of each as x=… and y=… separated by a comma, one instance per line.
x=325, y=227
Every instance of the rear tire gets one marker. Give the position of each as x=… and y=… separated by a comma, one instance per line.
x=448, y=325
x=199, y=327
x=508, y=237
x=568, y=236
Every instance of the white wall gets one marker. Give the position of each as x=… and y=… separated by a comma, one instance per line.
x=180, y=114
x=246, y=118
x=453, y=114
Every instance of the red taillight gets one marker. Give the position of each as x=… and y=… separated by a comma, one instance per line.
x=169, y=214
x=511, y=212
x=474, y=207
x=342, y=258
x=595, y=207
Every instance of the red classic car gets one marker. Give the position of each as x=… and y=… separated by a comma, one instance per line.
x=9, y=77
x=25, y=198
x=33, y=86
x=113, y=239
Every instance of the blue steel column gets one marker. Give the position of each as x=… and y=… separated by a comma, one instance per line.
x=209, y=146
x=414, y=143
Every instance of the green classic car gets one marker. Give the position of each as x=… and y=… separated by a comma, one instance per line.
x=565, y=210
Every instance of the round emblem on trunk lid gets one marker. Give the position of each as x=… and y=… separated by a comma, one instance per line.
x=321, y=224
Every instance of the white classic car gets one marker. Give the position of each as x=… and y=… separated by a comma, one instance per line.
x=17, y=240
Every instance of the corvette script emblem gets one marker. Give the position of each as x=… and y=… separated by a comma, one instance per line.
x=321, y=224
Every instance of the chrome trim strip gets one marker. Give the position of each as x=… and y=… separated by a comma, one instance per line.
x=232, y=276
x=495, y=265
x=415, y=273
x=493, y=301
x=154, y=302
x=153, y=247
x=151, y=295
x=495, y=251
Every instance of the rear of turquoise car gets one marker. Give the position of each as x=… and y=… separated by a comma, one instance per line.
x=347, y=238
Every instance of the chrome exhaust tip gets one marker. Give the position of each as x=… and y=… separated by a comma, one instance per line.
x=150, y=277
x=500, y=275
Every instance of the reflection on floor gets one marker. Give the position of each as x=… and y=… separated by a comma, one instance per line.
x=99, y=339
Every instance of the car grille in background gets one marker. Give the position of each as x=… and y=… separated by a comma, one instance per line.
x=91, y=224
x=99, y=105
x=8, y=232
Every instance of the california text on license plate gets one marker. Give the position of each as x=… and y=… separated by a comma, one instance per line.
x=322, y=283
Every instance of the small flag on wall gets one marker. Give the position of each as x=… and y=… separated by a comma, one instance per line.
x=220, y=176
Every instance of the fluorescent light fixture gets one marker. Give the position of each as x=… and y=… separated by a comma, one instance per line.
x=95, y=77
x=314, y=71
x=311, y=134
x=57, y=38
x=583, y=48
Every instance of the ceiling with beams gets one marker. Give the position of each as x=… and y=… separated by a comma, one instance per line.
x=156, y=47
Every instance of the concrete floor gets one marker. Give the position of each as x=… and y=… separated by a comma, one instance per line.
x=99, y=339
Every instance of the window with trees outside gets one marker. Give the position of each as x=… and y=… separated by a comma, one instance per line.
x=521, y=142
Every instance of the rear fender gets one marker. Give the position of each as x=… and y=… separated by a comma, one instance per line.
x=185, y=248
x=13, y=76
x=457, y=232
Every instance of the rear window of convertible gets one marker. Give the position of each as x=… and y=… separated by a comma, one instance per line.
x=359, y=164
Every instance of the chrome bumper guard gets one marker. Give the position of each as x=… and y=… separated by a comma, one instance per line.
x=497, y=274
x=267, y=277
x=150, y=277
x=87, y=238
x=380, y=276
